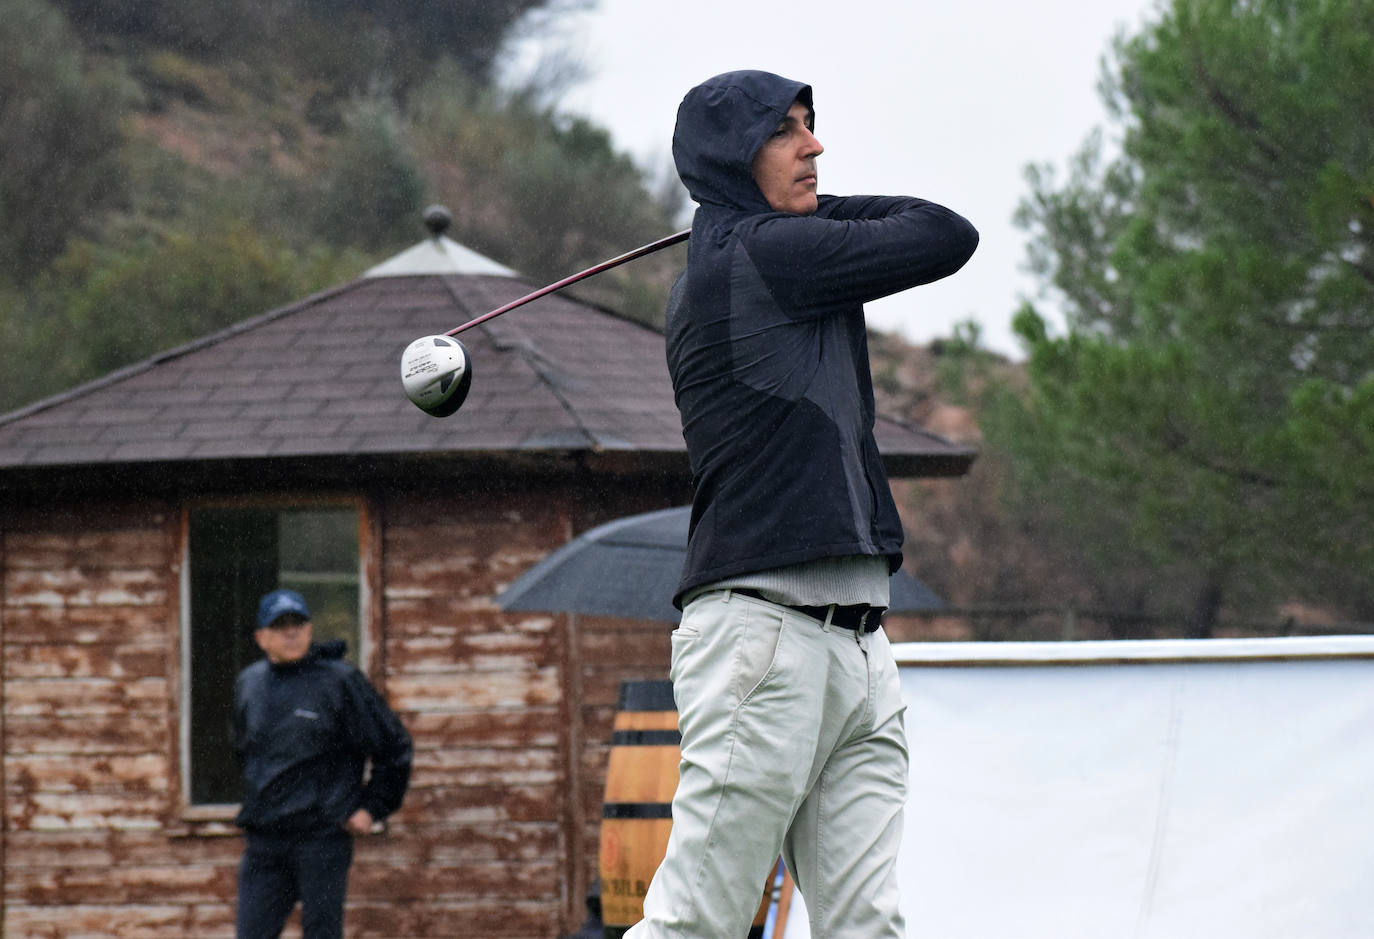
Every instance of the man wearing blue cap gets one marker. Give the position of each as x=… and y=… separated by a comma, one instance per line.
x=306, y=724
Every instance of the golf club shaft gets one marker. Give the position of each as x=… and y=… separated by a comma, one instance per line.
x=581, y=275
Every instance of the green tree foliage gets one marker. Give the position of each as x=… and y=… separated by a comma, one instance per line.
x=166, y=290
x=546, y=195
x=469, y=32
x=1208, y=412
x=60, y=136
x=372, y=192
x=100, y=307
x=197, y=26
x=349, y=43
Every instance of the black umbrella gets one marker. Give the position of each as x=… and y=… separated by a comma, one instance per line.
x=630, y=568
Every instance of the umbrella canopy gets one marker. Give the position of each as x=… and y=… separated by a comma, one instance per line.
x=630, y=568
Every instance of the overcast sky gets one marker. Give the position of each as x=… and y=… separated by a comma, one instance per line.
x=947, y=101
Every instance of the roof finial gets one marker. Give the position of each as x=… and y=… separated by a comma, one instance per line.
x=438, y=219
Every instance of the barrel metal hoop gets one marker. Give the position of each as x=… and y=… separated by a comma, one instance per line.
x=646, y=738
x=637, y=810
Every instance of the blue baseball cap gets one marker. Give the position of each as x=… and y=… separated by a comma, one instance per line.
x=278, y=603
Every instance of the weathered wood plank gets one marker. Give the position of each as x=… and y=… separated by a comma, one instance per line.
x=444, y=615
x=469, y=536
x=650, y=645
x=141, y=547
x=84, y=587
x=467, y=691
x=144, y=731
x=124, y=883
x=469, y=571
x=471, y=805
x=105, y=849
x=403, y=845
x=487, y=880
x=497, y=729
x=119, y=921
x=475, y=767
x=88, y=517
x=432, y=651
x=369, y=881
x=117, y=811
x=69, y=660
x=447, y=844
x=364, y=920
x=96, y=697
x=475, y=561
x=109, y=624
x=515, y=919
x=57, y=773
x=602, y=686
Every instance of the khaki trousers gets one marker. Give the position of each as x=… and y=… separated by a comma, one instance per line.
x=793, y=743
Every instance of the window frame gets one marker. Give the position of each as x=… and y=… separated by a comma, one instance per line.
x=370, y=645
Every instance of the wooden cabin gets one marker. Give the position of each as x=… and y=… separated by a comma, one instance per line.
x=142, y=514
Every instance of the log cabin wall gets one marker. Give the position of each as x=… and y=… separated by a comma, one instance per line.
x=92, y=834
x=510, y=714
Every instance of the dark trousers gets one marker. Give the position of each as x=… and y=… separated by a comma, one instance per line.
x=277, y=870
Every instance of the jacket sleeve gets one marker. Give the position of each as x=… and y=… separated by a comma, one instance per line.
x=855, y=249
x=378, y=732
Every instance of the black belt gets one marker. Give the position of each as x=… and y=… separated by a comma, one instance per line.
x=860, y=617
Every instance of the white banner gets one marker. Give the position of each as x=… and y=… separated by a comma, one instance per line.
x=1152, y=790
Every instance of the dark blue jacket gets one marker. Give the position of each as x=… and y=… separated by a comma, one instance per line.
x=303, y=733
x=767, y=346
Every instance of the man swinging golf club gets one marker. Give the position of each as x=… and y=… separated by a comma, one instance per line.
x=786, y=687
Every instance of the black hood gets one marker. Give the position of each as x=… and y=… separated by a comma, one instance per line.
x=721, y=124
x=330, y=648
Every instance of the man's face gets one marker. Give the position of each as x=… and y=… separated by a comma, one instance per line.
x=785, y=166
x=287, y=640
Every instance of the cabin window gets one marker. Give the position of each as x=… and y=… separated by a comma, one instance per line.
x=234, y=555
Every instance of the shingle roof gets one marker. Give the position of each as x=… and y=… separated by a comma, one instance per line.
x=322, y=377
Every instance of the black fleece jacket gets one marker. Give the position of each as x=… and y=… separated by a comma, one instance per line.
x=303, y=733
x=767, y=347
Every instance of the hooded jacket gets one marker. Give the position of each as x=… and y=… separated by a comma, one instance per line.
x=767, y=347
x=303, y=733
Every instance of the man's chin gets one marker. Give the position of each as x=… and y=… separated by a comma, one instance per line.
x=801, y=204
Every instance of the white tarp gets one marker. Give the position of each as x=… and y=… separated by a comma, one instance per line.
x=1139, y=790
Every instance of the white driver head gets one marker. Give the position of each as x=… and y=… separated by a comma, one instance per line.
x=436, y=374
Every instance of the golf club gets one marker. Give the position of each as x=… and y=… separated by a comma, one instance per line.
x=436, y=371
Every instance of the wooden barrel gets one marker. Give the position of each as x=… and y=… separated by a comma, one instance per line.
x=636, y=813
